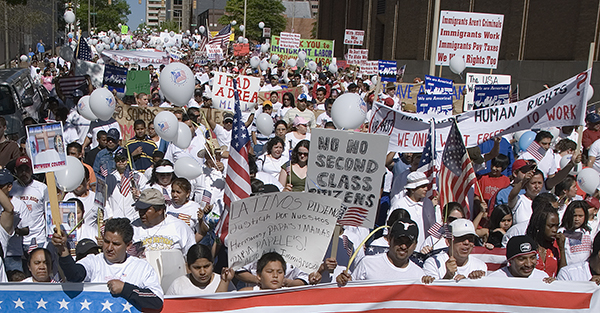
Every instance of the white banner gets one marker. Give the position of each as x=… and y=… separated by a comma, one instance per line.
x=473, y=79
x=289, y=40
x=354, y=37
x=214, y=52
x=474, y=36
x=357, y=56
x=369, y=68
x=562, y=105
x=348, y=166
x=171, y=41
x=223, y=93
x=297, y=225
x=142, y=58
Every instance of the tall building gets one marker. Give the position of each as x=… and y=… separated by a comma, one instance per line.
x=159, y=11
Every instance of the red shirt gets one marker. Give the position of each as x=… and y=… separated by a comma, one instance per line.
x=589, y=136
x=550, y=265
x=490, y=186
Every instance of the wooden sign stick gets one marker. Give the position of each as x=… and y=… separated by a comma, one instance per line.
x=56, y=214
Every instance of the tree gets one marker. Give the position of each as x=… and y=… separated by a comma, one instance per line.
x=268, y=11
x=108, y=16
x=170, y=25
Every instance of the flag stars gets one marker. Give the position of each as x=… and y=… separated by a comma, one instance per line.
x=85, y=305
x=106, y=306
x=19, y=304
x=127, y=307
x=63, y=304
x=41, y=303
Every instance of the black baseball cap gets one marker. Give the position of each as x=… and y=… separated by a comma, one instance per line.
x=405, y=227
x=520, y=245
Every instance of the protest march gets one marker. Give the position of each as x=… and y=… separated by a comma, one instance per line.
x=197, y=172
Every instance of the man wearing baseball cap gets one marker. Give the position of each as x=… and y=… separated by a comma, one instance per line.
x=521, y=254
x=301, y=110
x=456, y=263
x=395, y=264
x=105, y=160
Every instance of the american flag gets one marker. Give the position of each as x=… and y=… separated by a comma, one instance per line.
x=438, y=230
x=514, y=97
x=427, y=165
x=222, y=37
x=184, y=217
x=203, y=41
x=401, y=72
x=237, y=178
x=206, y=196
x=354, y=216
x=536, y=151
x=83, y=50
x=125, y=185
x=32, y=246
x=348, y=246
x=456, y=171
x=103, y=170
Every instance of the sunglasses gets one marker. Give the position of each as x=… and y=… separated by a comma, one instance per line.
x=303, y=154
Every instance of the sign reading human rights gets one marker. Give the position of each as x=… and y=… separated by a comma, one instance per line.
x=297, y=225
x=348, y=166
x=473, y=36
x=223, y=93
x=320, y=51
x=561, y=105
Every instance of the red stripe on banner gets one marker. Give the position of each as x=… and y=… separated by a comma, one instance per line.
x=415, y=292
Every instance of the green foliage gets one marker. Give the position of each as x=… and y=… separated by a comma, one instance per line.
x=170, y=25
x=108, y=16
x=268, y=11
x=314, y=31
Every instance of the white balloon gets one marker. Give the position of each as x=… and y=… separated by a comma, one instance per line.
x=71, y=177
x=69, y=17
x=185, y=41
x=24, y=58
x=301, y=55
x=172, y=34
x=202, y=29
x=291, y=62
x=261, y=25
x=590, y=93
x=84, y=109
x=139, y=43
x=184, y=136
x=264, y=124
x=457, y=64
x=240, y=39
x=102, y=103
x=166, y=40
x=566, y=159
x=245, y=40
x=264, y=64
x=312, y=66
x=187, y=167
x=166, y=125
x=588, y=180
x=264, y=48
x=187, y=32
x=374, y=79
x=106, y=40
x=233, y=23
x=242, y=27
x=254, y=61
x=333, y=68
x=177, y=82
x=300, y=63
x=274, y=58
x=66, y=53
x=349, y=111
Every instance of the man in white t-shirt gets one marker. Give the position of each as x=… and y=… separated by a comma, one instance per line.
x=594, y=156
x=395, y=264
x=128, y=277
x=586, y=271
x=456, y=263
x=521, y=254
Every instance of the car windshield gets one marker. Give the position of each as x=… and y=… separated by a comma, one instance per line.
x=7, y=104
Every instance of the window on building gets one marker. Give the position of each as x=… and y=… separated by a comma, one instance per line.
x=178, y=2
x=176, y=13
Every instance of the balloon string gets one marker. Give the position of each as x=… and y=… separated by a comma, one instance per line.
x=363, y=243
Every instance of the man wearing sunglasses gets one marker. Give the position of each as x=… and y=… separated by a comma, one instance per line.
x=456, y=263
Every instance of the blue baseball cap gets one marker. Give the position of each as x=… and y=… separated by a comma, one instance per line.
x=302, y=96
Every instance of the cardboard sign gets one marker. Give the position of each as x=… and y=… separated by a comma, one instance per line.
x=266, y=95
x=434, y=104
x=214, y=52
x=115, y=78
x=472, y=36
x=297, y=225
x=320, y=51
x=348, y=166
x=69, y=219
x=289, y=40
x=369, y=68
x=473, y=79
x=46, y=147
x=241, y=49
x=387, y=70
x=407, y=92
x=357, y=56
x=223, y=93
x=438, y=86
x=138, y=82
x=354, y=37
x=491, y=95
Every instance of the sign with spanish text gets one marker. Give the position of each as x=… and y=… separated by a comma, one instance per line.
x=241, y=49
x=46, y=147
x=348, y=166
x=320, y=51
x=289, y=40
x=138, y=82
x=473, y=79
x=388, y=70
x=472, y=36
x=297, y=225
x=357, y=56
x=491, y=95
x=354, y=37
x=223, y=92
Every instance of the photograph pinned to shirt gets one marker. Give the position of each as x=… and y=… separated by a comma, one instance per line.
x=46, y=147
x=69, y=224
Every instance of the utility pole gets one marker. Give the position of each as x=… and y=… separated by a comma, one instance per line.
x=6, y=43
x=245, y=26
x=53, y=27
x=89, y=20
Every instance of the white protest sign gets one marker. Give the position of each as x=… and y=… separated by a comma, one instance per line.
x=354, y=37
x=369, y=68
x=561, y=105
x=357, y=56
x=297, y=225
x=348, y=166
x=214, y=52
x=289, y=40
x=171, y=41
x=474, y=36
x=46, y=147
x=473, y=79
x=223, y=96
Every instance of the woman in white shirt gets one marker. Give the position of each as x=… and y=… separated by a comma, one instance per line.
x=299, y=133
x=275, y=157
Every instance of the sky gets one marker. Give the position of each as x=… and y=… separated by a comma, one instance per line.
x=138, y=12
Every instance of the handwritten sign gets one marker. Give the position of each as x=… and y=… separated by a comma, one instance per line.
x=223, y=92
x=266, y=95
x=46, y=147
x=297, y=225
x=241, y=49
x=354, y=37
x=138, y=82
x=289, y=40
x=357, y=56
x=369, y=68
x=214, y=52
x=348, y=166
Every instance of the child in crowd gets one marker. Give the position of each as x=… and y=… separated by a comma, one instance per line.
x=578, y=241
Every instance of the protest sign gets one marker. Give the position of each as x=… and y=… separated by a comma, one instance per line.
x=266, y=32
x=168, y=41
x=94, y=70
x=561, y=105
x=438, y=86
x=142, y=58
x=473, y=79
x=223, y=92
x=289, y=40
x=46, y=147
x=491, y=95
x=472, y=36
x=387, y=70
x=357, y=56
x=354, y=37
x=214, y=52
x=297, y=225
x=434, y=104
x=407, y=93
x=343, y=64
x=100, y=197
x=241, y=49
x=266, y=95
x=138, y=82
x=115, y=78
x=69, y=219
x=348, y=166
x=369, y=68
x=200, y=57
x=320, y=51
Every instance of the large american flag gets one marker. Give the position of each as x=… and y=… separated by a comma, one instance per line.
x=354, y=216
x=83, y=50
x=456, y=171
x=536, y=151
x=514, y=97
x=427, y=163
x=221, y=38
x=237, y=178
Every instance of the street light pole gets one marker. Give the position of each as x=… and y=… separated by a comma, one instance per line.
x=89, y=20
x=245, y=5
